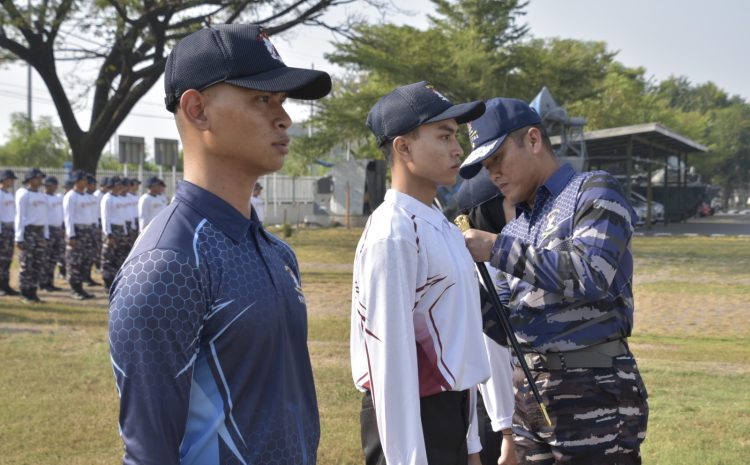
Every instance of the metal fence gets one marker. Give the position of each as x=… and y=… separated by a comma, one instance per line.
x=278, y=189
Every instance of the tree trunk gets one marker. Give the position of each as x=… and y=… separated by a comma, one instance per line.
x=86, y=152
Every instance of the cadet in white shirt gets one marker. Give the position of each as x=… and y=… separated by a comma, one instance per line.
x=257, y=202
x=131, y=217
x=99, y=195
x=94, y=209
x=31, y=234
x=79, y=232
x=56, y=241
x=7, y=230
x=114, y=232
x=416, y=334
x=152, y=202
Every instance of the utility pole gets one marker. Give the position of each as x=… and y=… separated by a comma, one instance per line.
x=28, y=80
x=312, y=110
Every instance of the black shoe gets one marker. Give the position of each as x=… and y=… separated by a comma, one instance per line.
x=35, y=296
x=91, y=282
x=10, y=291
x=5, y=289
x=79, y=295
x=27, y=295
x=50, y=288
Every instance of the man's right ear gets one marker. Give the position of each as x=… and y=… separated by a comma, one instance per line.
x=192, y=107
x=400, y=147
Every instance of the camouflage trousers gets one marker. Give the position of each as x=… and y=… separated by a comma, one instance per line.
x=96, y=251
x=7, y=245
x=599, y=415
x=77, y=256
x=55, y=255
x=132, y=229
x=32, y=257
x=114, y=253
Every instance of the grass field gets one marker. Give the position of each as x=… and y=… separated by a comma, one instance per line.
x=58, y=403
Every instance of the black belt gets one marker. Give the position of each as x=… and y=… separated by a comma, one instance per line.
x=596, y=356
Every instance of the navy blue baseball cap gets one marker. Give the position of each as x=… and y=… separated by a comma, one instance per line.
x=153, y=181
x=105, y=181
x=91, y=178
x=476, y=191
x=241, y=55
x=50, y=180
x=114, y=181
x=7, y=174
x=413, y=105
x=69, y=183
x=488, y=132
x=77, y=175
x=33, y=173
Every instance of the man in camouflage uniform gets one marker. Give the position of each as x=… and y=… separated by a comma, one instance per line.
x=31, y=234
x=99, y=195
x=56, y=241
x=94, y=209
x=568, y=270
x=79, y=234
x=7, y=230
x=132, y=195
x=114, y=232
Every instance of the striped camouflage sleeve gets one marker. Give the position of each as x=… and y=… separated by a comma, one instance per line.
x=581, y=266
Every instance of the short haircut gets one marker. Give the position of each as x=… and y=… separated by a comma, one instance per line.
x=387, y=148
x=519, y=134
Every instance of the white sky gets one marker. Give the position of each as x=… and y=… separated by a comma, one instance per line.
x=703, y=41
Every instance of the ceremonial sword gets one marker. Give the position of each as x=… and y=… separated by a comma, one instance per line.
x=462, y=221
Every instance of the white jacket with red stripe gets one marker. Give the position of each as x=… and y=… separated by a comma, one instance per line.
x=416, y=320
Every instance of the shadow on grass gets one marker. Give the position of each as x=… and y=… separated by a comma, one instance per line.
x=42, y=317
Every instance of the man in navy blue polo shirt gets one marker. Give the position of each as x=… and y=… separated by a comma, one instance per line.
x=567, y=274
x=208, y=324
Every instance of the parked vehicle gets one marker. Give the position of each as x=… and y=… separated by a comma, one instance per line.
x=640, y=205
x=705, y=209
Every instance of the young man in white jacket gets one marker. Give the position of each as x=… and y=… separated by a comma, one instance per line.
x=416, y=335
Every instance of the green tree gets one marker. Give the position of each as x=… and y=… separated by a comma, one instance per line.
x=128, y=43
x=466, y=52
x=39, y=144
x=708, y=114
x=471, y=50
x=728, y=162
x=681, y=94
x=571, y=69
x=622, y=98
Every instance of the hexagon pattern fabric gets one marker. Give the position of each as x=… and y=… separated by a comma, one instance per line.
x=208, y=337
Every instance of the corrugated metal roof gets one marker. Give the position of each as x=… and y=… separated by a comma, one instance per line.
x=613, y=142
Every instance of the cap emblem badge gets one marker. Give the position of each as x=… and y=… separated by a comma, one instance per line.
x=263, y=37
x=435, y=91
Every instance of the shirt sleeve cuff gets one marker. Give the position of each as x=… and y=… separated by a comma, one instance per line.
x=501, y=252
x=473, y=444
x=501, y=424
